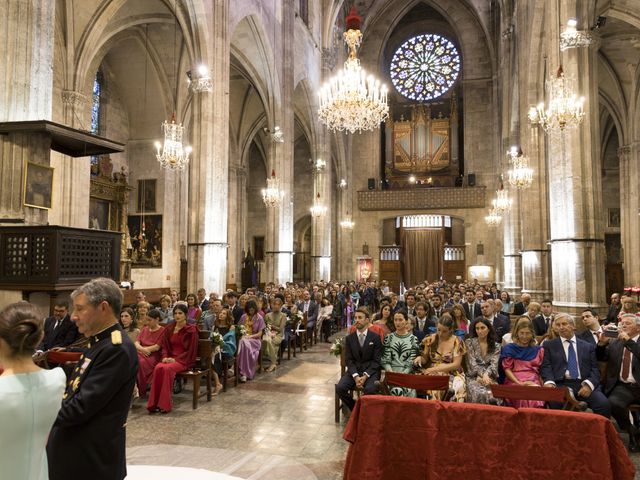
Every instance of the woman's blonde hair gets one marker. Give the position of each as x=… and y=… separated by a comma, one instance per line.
x=521, y=324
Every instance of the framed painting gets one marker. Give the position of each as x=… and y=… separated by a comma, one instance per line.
x=99, y=214
x=146, y=240
x=38, y=185
x=147, y=195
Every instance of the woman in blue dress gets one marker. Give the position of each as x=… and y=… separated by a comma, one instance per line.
x=29, y=396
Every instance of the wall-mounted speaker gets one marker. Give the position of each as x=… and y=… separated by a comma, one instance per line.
x=459, y=181
x=471, y=179
x=371, y=183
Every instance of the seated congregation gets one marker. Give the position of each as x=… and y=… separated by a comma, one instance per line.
x=478, y=349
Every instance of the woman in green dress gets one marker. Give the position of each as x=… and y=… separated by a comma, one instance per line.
x=400, y=350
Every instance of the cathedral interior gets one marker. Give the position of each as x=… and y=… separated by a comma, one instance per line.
x=473, y=90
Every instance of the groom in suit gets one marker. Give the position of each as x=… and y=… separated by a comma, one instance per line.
x=571, y=362
x=363, y=354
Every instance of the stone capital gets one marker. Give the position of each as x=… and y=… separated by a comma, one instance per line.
x=73, y=98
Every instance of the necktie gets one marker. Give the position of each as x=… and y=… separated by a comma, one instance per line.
x=626, y=364
x=546, y=323
x=361, y=339
x=421, y=323
x=572, y=361
x=57, y=324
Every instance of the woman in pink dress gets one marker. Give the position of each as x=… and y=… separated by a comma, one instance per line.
x=179, y=350
x=149, y=348
x=194, y=312
x=520, y=362
x=250, y=343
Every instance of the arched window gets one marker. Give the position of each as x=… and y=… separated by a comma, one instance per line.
x=96, y=103
x=425, y=67
x=96, y=112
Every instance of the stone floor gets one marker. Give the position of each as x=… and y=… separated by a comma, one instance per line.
x=278, y=426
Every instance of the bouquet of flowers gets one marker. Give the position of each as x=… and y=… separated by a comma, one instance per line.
x=267, y=332
x=217, y=342
x=241, y=330
x=336, y=347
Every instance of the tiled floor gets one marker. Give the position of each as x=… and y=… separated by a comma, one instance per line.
x=278, y=426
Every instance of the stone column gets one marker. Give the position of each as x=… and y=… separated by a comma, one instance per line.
x=321, y=226
x=26, y=51
x=575, y=189
x=26, y=89
x=237, y=187
x=208, y=170
x=629, y=156
x=72, y=175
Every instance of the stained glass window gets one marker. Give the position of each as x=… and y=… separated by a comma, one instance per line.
x=95, y=106
x=425, y=67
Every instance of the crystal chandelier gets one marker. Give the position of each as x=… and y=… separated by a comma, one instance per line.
x=571, y=37
x=502, y=202
x=565, y=108
x=272, y=195
x=172, y=155
x=318, y=209
x=520, y=175
x=494, y=218
x=347, y=223
x=351, y=100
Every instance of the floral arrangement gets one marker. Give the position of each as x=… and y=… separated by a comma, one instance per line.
x=218, y=342
x=268, y=332
x=241, y=330
x=336, y=347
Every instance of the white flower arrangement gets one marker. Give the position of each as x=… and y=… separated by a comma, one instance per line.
x=336, y=347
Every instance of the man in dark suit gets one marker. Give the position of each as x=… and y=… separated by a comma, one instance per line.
x=231, y=299
x=543, y=321
x=396, y=304
x=571, y=362
x=422, y=321
x=363, y=354
x=203, y=302
x=622, y=384
x=521, y=307
x=501, y=324
x=593, y=331
x=87, y=439
x=308, y=306
x=410, y=298
x=471, y=307
x=436, y=303
x=59, y=330
x=614, y=309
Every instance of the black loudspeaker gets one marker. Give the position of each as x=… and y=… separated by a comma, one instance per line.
x=471, y=179
x=371, y=183
x=459, y=181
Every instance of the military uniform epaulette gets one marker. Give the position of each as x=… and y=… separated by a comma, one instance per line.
x=114, y=331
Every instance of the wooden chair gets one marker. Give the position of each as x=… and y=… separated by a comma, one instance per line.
x=561, y=395
x=202, y=368
x=204, y=334
x=420, y=383
x=343, y=370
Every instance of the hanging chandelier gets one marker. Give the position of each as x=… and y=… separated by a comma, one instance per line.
x=347, y=223
x=520, y=175
x=172, y=155
x=318, y=209
x=494, y=218
x=272, y=195
x=565, y=108
x=502, y=202
x=351, y=100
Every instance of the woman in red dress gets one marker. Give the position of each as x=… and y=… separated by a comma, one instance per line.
x=149, y=346
x=179, y=350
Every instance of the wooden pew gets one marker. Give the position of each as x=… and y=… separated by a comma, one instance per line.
x=153, y=295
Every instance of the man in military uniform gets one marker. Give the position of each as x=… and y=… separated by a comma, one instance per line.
x=88, y=437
